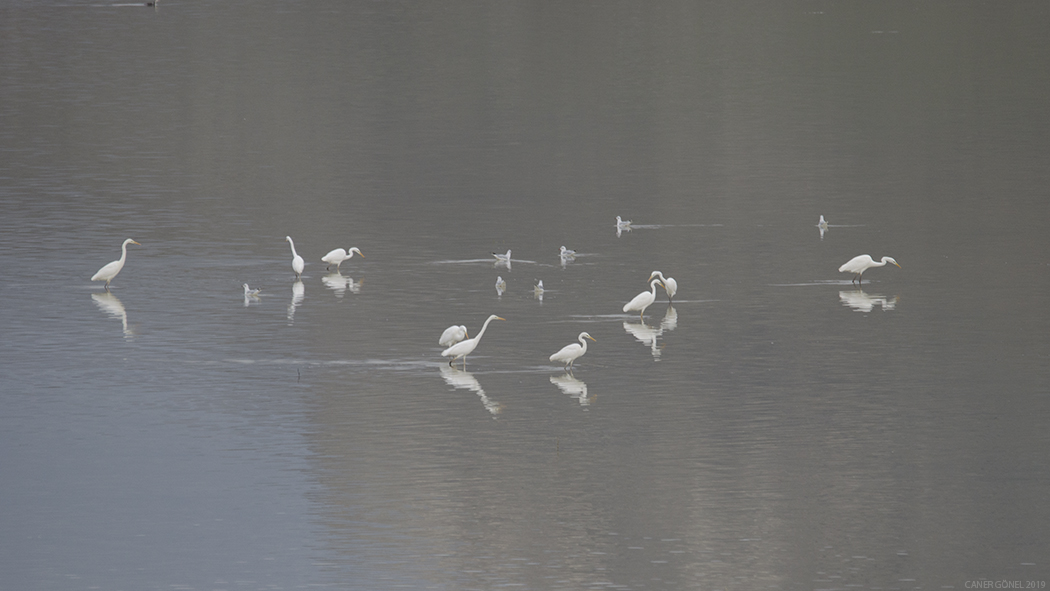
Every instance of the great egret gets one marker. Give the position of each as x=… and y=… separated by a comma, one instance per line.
x=297, y=261
x=642, y=300
x=859, y=264
x=453, y=335
x=501, y=285
x=572, y=352
x=670, y=285
x=337, y=256
x=249, y=292
x=110, y=270
x=464, y=348
x=566, y=253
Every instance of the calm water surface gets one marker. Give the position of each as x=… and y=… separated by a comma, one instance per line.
x=777, y=428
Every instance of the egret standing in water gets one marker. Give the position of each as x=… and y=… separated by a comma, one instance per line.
x=642, y=300
x=453, y=335
x=110, y=270
x=859, y=264
x=297, y=261
x=464, y=348
x=572, y=352
x=670, y=285
x=337, y=256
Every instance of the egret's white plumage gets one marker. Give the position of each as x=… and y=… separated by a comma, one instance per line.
x=110, y=270
x=572, y=352
x=464, y=348
x=297, y=261
x=453, y=335
x=337, y=256
x=670, y=285
x=642, y=300
x=858, y=264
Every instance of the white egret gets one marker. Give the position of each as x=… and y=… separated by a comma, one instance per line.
x=642, y=300
x=249, y=292
x=859, y=264
x=453, y=335
x=501, y=285
x=572, y=352
x=297, y=261
x=464, y=348
x=566, y=253
x=337, y=256
x=670, y=285
x=110, y=270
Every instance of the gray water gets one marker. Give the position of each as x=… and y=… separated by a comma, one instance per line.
x=777, y=428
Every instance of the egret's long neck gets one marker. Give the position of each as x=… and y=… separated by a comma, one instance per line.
x=483, y=327
x=653, y=285
x=292, y=244
x=123, y=252
x=881, y=263
x=584, y=343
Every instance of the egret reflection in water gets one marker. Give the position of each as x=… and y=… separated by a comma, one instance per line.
x=340, y=284
x=108, y=303
x=648, y=335
x=572, y=386
x=298, y=293
x=862, y=302
x=464, y=380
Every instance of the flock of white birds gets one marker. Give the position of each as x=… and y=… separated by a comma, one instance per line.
x=455, y=337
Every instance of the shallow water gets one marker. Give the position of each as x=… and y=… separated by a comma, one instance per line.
x=777, y=427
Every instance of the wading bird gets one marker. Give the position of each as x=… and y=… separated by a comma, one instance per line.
x=642, y=300
x=337, y=256
x=859, y=264
x=670, y=285
x=464, y=348
x=297, y=261
x=572, y=352
x=110, y=270
x=453, y=335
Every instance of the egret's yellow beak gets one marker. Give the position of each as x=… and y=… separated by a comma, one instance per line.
x=498, y=318
x=592, y=338
x=133, y=242
x=898, y=266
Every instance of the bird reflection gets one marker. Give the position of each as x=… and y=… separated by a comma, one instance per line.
x=464, y=380
x=298, y=292
x=649, y=335
x=862, y=302
x=575, y=388
x=108, y=303
x=339, y=284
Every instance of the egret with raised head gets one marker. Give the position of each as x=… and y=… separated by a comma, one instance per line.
x=463, y=348
x=110, y=270
x=297, y=261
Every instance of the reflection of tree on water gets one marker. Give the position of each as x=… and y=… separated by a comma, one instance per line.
x=298, y=292
x=108, y=303
x=464, y=380
x=575, y=388
x=649, y=335
x=862, y=302
x=339, y=284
